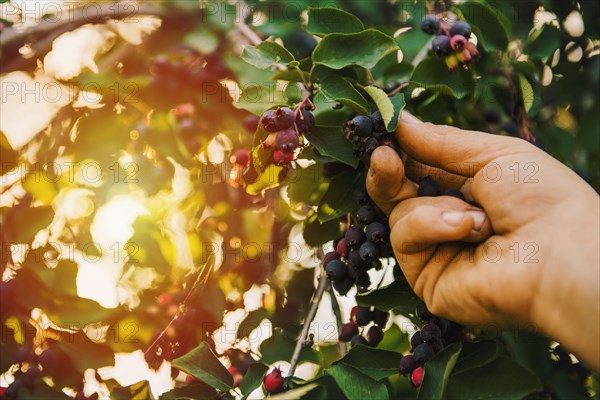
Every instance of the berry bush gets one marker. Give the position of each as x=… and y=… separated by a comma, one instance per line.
x=195, y=197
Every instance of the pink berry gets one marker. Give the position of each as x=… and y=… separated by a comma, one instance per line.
x=274, y=381
x=416, y=378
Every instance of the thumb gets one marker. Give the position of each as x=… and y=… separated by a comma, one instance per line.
x=452, y=149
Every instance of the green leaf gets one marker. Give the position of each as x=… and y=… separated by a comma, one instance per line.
x=280, y=347
x=196, y=392
x=316, y=233
x=265, y=54
x=432, y=73
x=487, y=24
x=437, y=372
x=366, y=48
x=397, y=294
x=253, y=378
x=335, y=88
x=477, y=354
x=322, y=21
x=356, y=385
x=251, y=322
x=500, y=379
x=204, y=365
x=543, y=42
x=390, y=107
x=267, y=179
x=296, y=393
x=137, y=391
x=377, y=364
x=531, y=99
x=338, y=201
x=306, y=185
x=85, y=353
x=394, y=339
x=330, y=141
x=15, y=230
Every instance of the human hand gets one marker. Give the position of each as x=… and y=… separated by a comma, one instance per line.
x=528, y=256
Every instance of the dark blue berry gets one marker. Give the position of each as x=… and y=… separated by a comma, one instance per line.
x=430, y=333
x=461, y=28
x=377, y=232
x=361, y=197
x=430, y=25
x=423, y=353
x=429, y=187
x=380, y=317
x=355, y=237
x=415, y=340
x=305, y=121
x=363, y=316
x=369, y=252
x=357, y=339
x=365, y=215
x=455, y=193
x=336, y=270
x=360, y=125
x=441, y=46
x=378, y=123
x=356, y=260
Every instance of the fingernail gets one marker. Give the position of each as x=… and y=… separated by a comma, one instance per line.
x=478, y=219
x=453, y=217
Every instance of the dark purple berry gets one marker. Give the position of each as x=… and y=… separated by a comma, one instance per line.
x=365, y=215
x=441, y=46
x=430, y=333
x=455, y=193
x=363, y=281
x=305, y=121
x=278, y=119
x=380, y=317
x=407, y=365
x=336, y=270
x=343, y=287
x=348, y=331
x=356, y=260
x=361, y=197
x=287, y=140
x=378, y=123
x=332, y=255
x=355, y=237
x=374, y=336
x=423, y=312
x=415, y=340
x=429, y=187
x=437, y=346
x=370, y=145
x=369, y=252
x=430, y=25
x=250, y=123
x=360, y=126
x=358, y=339
x=423, y=353
x=389, y=140
x=363, y=316
x=442, y=323
x=377, y=232
x=461, y=28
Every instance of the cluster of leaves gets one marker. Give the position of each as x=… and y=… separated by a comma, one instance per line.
x=351, y=69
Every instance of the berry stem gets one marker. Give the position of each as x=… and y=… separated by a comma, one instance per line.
x=314, y=305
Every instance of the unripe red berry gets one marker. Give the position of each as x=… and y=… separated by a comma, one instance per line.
x=342, y=247
x=282, y=158
x=417, y=377
x=250, y=123
x=274, y=382
x=458, y=42
x=242, y=157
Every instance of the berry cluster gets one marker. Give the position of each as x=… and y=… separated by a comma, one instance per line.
x=360, y=248
x=367, y=133
x=285, y=127
x=451, y=41
x=360, y=317
x=430, y=340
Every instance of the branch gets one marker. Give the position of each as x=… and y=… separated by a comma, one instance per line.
x=314, y=304
x=335, y=307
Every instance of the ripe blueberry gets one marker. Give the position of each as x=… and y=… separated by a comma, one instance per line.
x=336, y=270
x=458, y=42
x=242, y=157
x=355, y=237
x=361, y=197
x=423, y=353
x=348, y=331
x=356, y=260
x=365, y=215
x=377, y=232
x=375, y=335
x=287, y=140
x=423, y=312
x=430, y=25
x=437, y=346
x=416, y=378
x=370, y=145
x=430, y=333
x=363, y=316
x=343, y=287
x=441, y=45
x=378, y=123
x=282, y=158
x=274, y=382
x=455, y=193
x=363, y=281
x=360, y=125
x=429, y=187
x=250, y=123
x=342, y=247
x=415, y=340
x=461, y=28
x=332, y=255
x=278, y=119
x=407, y=365
x=305, y=121
x=358, y=339
x=369, y=252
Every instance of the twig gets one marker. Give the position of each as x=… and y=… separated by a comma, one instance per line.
x=314, y=304
x=335, y=307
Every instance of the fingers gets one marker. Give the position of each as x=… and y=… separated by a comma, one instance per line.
x=421, y=222
x=451, y=149
x=386, y=182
